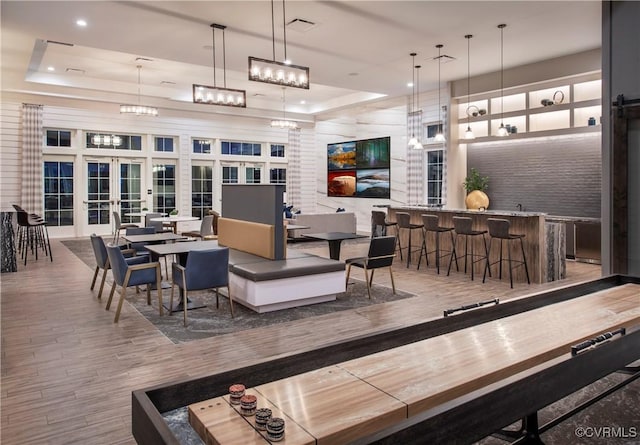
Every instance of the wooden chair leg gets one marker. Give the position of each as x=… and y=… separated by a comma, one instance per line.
x=184, y=305
x=366, y=277
x=95, y=275
x=104, y=278
x=346, y=283
x=393, y=285
x=230, y=300
x=113, y=289
x=122, y=295
x=173, y=286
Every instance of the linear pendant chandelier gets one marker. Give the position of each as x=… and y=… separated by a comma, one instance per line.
x=139, y=110
x=284, y=123
x=214, y=95
x=278, y=73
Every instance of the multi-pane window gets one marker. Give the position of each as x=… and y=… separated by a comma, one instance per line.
x=229, y=175
x=164, y=187
x=98, y=193
x=201, y=190
x=58, y=193
x=277, y=151
x=130, y=189
x=240, y=148
x=164, y=144
x=58, y=138
x=252, y=175
x=202, y=145
x=435, y=167
x=278, y=176
x=114, y=141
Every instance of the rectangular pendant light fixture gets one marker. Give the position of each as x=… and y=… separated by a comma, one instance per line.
x=278, y=73
x=215, y=95
x=206, y=94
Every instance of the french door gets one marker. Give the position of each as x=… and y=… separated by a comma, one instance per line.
x=112, y=184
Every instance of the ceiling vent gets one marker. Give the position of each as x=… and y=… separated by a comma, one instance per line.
x=300, y=25
x=59, y=43
x=75, y=71
x=445, y=58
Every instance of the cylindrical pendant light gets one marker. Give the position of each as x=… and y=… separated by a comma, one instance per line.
x=502, y=131
x=468, y=134
x=440, y=134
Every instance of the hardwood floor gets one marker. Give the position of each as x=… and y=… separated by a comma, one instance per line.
x=68, y=370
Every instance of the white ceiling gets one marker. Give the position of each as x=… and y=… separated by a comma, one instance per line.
x=357, y=50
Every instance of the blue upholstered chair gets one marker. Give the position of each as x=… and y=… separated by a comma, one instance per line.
x=381, y=253
x=126, y=275
x=102, y=260
x=139, y=247
x=205, y=269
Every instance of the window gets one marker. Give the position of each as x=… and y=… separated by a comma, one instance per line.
x=201, y=190
x=114, y=141
x=58, y=193
x=202, y=145
x=241, y=148
x=164, y=144
x=278, y=176
x=58, y=138
x=229, y=175
x=277, y=151
x=252, y=175
x=164, y=187
x=435, y=166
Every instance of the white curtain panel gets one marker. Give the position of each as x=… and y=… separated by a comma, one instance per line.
x=294, y=175
x=415, y=163
x=31, y=157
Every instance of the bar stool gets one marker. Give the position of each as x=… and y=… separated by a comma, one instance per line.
x=463, y=227
x=499, y=229
x=380, y=226
x=432, y=224
x=403, y=220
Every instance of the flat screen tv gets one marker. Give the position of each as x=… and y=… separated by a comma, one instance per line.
x=360, y=168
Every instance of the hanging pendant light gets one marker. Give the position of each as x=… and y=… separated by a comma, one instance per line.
x=440, y=134
x=413, y=140
x=284, y=123
x=468, y=134
x=140, y=110
x=502, y=131
x=214, y=95
x=418, y=144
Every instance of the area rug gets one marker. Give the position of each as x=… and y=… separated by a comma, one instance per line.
x=210, y=321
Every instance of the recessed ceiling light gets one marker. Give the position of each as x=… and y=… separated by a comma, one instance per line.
x=50, y=68
x=81, y=22
x=409, y=84
x=302, y=102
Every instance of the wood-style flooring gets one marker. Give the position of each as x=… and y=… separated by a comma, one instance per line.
x=68, y=370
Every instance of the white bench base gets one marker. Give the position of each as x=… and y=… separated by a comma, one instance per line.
x=284, y=293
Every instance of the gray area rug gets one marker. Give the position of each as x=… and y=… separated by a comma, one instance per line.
x=209, y=320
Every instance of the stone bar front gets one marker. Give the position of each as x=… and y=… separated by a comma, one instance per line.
x=531, y=224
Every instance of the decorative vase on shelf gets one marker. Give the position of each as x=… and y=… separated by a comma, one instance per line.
x=477, y=200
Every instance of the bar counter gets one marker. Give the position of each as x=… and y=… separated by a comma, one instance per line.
x=538, y=241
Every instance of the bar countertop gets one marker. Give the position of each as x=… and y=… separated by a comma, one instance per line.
x=473, y=212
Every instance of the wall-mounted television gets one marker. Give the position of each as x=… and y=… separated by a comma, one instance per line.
x=360, y=168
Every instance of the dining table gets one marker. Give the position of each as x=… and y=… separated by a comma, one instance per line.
x=174, y=220
x=335, y=240
x=181, y=250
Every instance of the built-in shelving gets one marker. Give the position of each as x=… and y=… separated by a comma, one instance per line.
x=575, y=102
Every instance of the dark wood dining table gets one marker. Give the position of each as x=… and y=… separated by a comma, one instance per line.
x=335, y=240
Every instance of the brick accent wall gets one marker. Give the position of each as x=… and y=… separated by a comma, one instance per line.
x=559, y=175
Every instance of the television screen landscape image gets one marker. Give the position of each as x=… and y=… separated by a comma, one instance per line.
x=359, y=168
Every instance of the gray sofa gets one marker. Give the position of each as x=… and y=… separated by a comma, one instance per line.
x=322, y=222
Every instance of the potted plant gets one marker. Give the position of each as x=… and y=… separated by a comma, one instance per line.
x=475, y=184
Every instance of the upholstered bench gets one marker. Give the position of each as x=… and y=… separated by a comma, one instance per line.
x=266, y=285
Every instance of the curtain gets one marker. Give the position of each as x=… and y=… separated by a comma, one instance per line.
x=31, y=157
x=294, y=176
x=415, y=163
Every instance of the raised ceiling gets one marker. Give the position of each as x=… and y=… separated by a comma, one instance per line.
x=356, y=50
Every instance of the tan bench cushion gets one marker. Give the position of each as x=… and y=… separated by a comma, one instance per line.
x=247, y=236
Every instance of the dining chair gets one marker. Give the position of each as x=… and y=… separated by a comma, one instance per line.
x=127, y=275
x=102, y=260
x=119, y=226
x=206, y=228
x=381, y=253
x=204, y=269
x=159, y=225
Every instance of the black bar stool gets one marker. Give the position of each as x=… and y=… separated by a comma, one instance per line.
x=499, y=229
x=463, y=227
x=380, y=225
x=432, y=224
x=403, y=219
